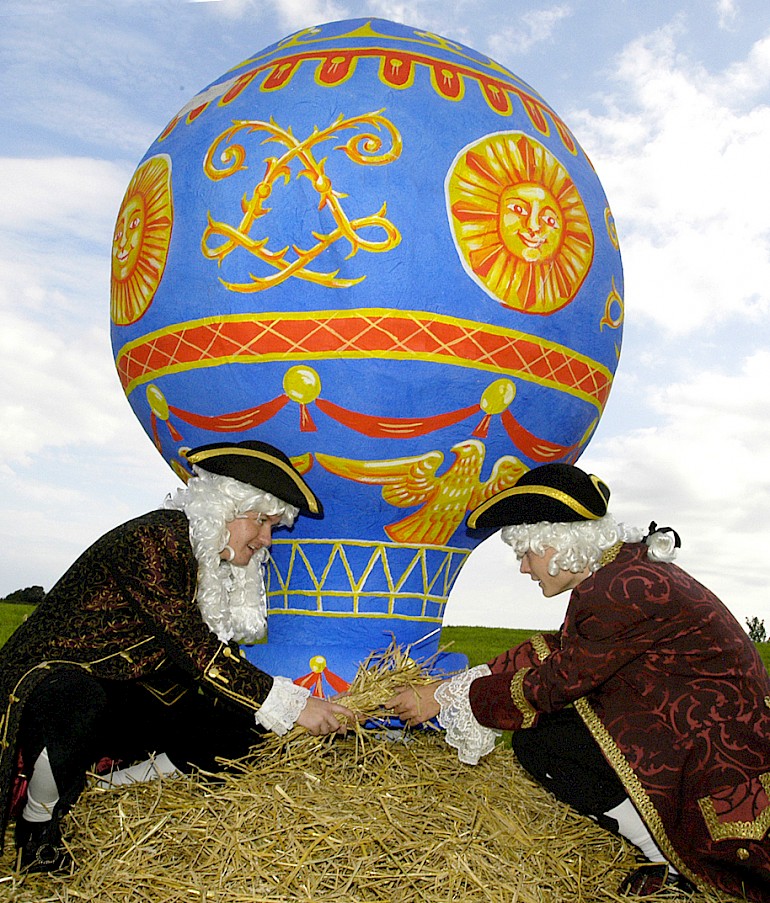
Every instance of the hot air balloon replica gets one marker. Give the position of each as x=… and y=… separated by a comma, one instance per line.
x=386, y=254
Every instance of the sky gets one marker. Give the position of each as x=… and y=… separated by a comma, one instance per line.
x=670, y=100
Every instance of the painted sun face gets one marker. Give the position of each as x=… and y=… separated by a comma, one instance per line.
x=519, y=223
x=530, y=222
x=141, y=240
x=127, y=241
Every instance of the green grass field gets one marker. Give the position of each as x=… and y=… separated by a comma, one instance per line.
x=11, y=616
x=479, y=643
x=482, y=643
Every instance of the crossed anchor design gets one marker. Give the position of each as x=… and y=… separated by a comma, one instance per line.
x=379, y=145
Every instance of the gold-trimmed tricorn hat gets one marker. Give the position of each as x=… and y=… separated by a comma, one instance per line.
x=556, y=493
x=260, y=465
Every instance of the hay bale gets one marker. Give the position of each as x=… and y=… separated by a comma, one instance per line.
x=376, y=816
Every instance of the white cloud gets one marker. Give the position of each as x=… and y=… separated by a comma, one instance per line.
x=742, y=82
x=726, y=13
x=529, y=29
x=54, y=99
x=62, y=196
x=59, y=386
x=705, y=470
x=685, y=171
x=57, y=503
x=296, y=14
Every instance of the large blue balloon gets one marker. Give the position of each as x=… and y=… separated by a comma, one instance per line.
x=386, y=254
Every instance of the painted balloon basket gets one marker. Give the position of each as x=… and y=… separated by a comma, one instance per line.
x=386, y=254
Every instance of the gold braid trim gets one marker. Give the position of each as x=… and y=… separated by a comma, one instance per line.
x=540, y=646
x=528, y=714
x=743, y=830
x=633, y=787
x=610, y=554
x=14, y=698
x=292, y=474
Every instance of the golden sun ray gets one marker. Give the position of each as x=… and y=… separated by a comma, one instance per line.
x=141, y=240
x=519, y=223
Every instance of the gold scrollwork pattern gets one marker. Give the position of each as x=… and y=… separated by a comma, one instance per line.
x=614, y=309
x=226, y=156
x=519, y=699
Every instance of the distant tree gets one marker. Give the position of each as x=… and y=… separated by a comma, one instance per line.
x=757, y=632
x=32, y=595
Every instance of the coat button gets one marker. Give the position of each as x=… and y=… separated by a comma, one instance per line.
x=742, y=853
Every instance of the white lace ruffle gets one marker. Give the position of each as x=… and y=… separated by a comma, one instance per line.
x=471, y=739
x=284, y=703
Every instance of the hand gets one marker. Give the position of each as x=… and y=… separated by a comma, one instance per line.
x=414, y=705
x=321, y=717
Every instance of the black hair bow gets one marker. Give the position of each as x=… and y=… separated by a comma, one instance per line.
x=654, y=528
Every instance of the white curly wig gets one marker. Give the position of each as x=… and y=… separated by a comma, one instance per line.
x=580, y=545
x=231, y=598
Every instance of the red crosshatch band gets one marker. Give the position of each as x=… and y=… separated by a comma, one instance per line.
x=246, y=339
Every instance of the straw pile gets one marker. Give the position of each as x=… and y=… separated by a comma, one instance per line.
x=376, y=816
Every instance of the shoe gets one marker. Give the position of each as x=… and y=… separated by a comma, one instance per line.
x=652, y=877
x=40, y=847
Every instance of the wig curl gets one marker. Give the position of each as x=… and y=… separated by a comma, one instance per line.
x=577, y=545
x=231, y=598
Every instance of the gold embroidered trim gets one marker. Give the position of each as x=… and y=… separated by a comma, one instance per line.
x=548, y=491
x=633, y=786
x=734, y=830
x=519, y=700
x=540, y=646
x=200, y=456
x=610, y=554
x=14, y=697
x=169, y=696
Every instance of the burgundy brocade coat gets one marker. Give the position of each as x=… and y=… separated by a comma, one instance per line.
x=676, y=696
x=125, y=610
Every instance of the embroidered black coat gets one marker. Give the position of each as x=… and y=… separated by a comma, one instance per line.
x=676, y=696
x=125, y=610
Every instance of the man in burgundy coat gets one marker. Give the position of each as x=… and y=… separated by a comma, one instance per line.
x=649, y=710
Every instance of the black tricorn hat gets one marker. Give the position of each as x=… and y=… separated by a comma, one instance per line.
x=557, y=493
x=260, y=465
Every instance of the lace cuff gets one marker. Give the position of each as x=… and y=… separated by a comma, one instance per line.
x=471, y=739
x=282, y=707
